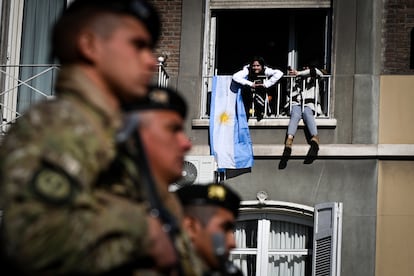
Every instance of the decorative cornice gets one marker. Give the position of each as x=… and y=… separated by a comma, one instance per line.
x=331, y=151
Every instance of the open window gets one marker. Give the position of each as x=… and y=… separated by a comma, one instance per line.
x=283, y=238
x=283, y=33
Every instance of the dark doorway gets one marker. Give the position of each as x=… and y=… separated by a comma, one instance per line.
x=242, y=34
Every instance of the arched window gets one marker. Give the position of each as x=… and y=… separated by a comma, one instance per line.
x=277, y=238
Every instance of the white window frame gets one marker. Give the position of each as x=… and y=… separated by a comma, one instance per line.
x=325, y=218
x=9, y=103
x=209, y=48
x=11, y=69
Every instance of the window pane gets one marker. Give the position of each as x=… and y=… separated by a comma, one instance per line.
x=287, y=265
x=246, y=241
x=246, y=234
x=286, y=235
x=39, y=17
x=247, y=263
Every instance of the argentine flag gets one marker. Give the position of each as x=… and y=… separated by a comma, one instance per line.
x=230, y=141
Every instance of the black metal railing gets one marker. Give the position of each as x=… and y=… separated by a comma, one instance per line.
x=277, y=102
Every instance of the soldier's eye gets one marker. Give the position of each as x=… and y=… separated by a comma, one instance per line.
x=141, y=44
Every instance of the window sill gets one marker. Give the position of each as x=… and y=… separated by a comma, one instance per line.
x=270, y=123
x=329, y=151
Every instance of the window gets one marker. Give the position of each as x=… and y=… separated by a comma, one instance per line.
x=284, y=33
x=37, y=67
x=278, y=239
x=27, y=71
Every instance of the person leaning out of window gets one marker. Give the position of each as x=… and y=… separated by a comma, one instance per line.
x=256, y=79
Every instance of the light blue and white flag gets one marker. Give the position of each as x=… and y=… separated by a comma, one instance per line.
x=230, y=141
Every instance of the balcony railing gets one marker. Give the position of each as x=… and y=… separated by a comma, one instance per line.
x=23, y=85
x=277, y=103
x=163, y=76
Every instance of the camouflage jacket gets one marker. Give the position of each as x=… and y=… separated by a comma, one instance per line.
x=60, y=216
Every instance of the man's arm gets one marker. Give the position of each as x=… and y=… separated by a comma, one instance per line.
x=274, y=75
x=241, y=77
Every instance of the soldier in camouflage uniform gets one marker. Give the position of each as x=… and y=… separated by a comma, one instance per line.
x=210, y=213
x=160, y=125
x=62, y=215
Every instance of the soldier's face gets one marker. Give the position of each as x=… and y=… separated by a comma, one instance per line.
x=125, y=58
x=165, y=143
x=221, y=223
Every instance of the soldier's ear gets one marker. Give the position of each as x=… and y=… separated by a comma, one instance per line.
x=192, y=226
x=88, y=46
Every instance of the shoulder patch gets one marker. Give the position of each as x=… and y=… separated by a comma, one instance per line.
x=53, y=186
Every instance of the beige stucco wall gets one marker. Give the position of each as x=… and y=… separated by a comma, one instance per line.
x=396, y=120
x=395, y=224
x=395, y=220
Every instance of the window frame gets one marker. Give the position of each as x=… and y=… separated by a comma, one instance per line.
x=324, y=220
x=264, y=214
x=11, y=69
x=209, y=54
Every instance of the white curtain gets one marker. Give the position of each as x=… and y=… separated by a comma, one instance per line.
x=246, y=238
x=239, y=259
x=285, y=236
x=38, y=19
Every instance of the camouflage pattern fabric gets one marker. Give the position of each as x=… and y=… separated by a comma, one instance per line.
x=60, y=217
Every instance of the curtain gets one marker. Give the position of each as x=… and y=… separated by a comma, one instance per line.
x=38, y=19
x=285, y=236
x=246, y=237
x=239, y=259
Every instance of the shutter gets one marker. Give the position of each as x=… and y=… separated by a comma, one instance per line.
x=326, y=260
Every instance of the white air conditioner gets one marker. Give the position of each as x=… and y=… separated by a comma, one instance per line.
x=205, y=165
x=197, y=169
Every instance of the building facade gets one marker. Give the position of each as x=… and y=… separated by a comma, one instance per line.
x=366, y=157
x=366, y=153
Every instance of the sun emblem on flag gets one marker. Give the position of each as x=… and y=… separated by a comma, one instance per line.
x=224, y=117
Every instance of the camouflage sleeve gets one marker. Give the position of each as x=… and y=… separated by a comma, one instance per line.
x=56, y=218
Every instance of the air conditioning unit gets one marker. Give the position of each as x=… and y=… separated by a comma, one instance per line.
x=197, y=169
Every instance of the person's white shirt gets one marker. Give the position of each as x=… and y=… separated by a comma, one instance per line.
x=272, y=76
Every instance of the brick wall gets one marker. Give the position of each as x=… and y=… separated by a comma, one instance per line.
x=398, y=20
x=169, y=43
